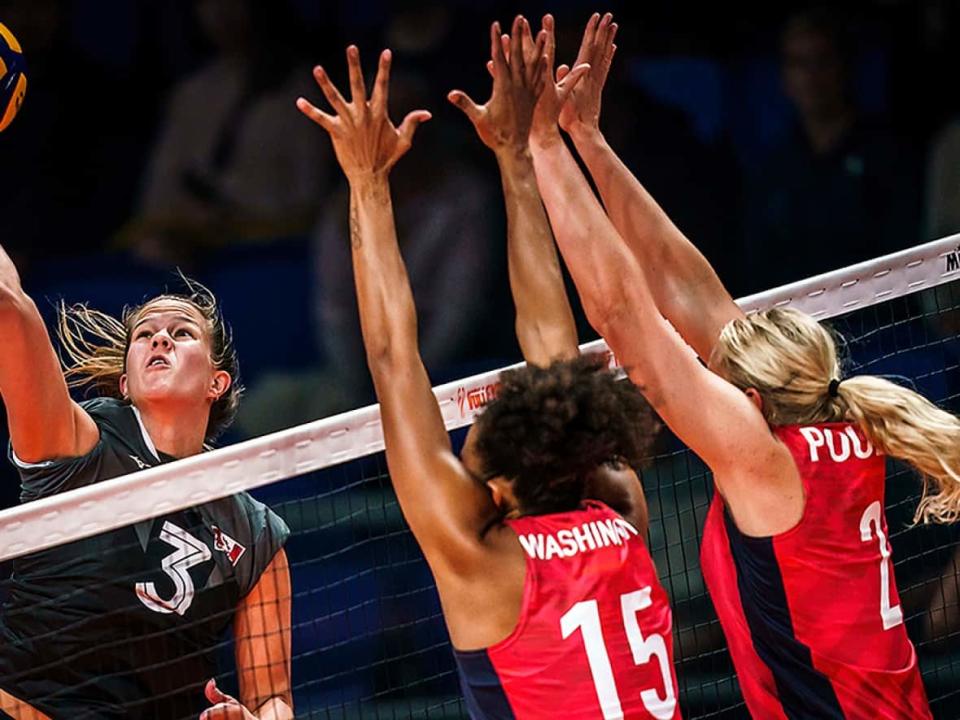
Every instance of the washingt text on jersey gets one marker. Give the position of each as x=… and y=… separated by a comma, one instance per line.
x=580, y=538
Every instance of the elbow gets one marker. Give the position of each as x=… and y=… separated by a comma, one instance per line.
x=14, y=302
x=607, y=312
x=387, y=352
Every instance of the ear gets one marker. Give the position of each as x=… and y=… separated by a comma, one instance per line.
x=219, y=384
x=754, y=397
x=496, y=492
x=123, y=386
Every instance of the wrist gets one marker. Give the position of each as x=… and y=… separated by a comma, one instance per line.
x=583, y=134
x=369, y=184
x=545, y=139
x=511, y=156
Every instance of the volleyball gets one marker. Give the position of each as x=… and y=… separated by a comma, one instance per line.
x=13, y=77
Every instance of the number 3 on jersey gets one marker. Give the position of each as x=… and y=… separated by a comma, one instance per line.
x=891, y=616
x=586, y=616
x=188, y=551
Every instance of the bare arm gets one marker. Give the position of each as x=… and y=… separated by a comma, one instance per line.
x=445, y=507
x=683, y=284
x=545, y=327
x=262, y=632
x=261, y=629
x=44, y=422
x=715, y=419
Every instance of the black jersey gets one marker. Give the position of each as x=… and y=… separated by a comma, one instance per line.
x=128, y=623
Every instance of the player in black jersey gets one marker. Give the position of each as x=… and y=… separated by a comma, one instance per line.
x=128, y=623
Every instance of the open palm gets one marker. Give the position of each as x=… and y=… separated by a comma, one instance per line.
x=364, y=139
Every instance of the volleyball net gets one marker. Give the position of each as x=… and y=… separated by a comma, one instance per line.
x=124, y=595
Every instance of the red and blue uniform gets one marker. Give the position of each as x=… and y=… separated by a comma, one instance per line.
x=812, y=615
x=593, y=640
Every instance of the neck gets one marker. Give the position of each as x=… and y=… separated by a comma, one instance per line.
x=825, y=131
x=173, y=431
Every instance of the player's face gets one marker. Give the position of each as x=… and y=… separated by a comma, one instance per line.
x=169, y=358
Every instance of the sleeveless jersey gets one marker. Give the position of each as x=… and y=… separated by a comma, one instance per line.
x=812, y=615
x=593, y=639
x=128, y=623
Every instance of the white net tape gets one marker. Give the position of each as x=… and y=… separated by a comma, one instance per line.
x=202, y=478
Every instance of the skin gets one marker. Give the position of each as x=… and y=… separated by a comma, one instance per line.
x=545, y=327
x=621, y=264
x=174, y=401
x=454, y=518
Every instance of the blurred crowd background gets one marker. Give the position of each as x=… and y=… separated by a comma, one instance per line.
x=162, y=134
x=785, y=140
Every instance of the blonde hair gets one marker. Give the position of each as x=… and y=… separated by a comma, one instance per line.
x=95, y=344
x=790, y=359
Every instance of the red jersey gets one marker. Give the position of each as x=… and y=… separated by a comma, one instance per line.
x=593, y=639
x=812, y=615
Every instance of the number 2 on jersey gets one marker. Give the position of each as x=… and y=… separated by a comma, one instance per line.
x=586, y=616
x=891, y=616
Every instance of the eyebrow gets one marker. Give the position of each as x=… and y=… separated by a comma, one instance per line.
x=176, y=318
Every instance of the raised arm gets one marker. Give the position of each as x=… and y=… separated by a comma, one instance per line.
x=683, y=284
x=445, y=507
x=715, y=419
x=44, y=422
x=261, y=629
x=545, y=327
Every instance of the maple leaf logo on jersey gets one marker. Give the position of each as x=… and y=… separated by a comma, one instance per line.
x=140, y=463
x=226, y=544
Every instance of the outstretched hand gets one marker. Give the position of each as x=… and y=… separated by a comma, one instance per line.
x=517, y=64
x=581, y=112
x=544, y=128
x=365, y=141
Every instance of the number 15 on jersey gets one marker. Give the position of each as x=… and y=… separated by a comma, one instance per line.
x=585, y=616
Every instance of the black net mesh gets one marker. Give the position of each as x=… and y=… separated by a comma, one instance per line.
x=368, y=640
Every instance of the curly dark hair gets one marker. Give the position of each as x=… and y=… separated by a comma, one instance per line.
x=551, y=427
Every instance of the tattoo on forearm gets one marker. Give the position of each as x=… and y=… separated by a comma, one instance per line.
x=355, y=239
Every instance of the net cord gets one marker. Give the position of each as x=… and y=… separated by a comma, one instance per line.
x=164, y=489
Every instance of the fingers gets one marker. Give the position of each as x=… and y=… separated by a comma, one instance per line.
x=562, y=72
x=316, y=114
x=358, y=91
x=571, y=80
x=465, y=103
x=516, y=50
x=584, y=54
x=381, y=85
x=608, y=47
x=539, y=64
x=496, y=51
x=550, y=45
x=540, y=76
x=490, y=68
x=214, y=695
x=410, y=124
x=330, y=91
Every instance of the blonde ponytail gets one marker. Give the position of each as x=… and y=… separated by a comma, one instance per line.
x=790, y=359
x=905, y=425
x=95, y=346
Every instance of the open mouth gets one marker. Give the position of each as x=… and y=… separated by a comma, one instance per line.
x=158, y=362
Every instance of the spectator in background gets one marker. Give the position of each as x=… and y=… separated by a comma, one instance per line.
x=233, y=159
x=841, y=188
x=444, y=213
x=448, y=217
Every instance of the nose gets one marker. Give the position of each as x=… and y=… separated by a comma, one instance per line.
x=160, y=340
